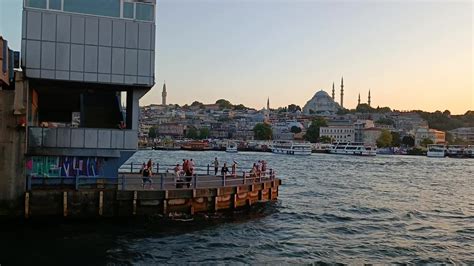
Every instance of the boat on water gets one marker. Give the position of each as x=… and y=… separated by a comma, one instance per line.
x=196, y=146
x=436, y=150
x=291, y=148
x=353, y=148
x=231, y=147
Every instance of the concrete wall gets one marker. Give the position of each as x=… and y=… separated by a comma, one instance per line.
x=12, y=159
x=85, y=48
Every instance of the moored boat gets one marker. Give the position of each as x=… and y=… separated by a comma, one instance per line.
x=231, y=147
x=353, y=148
x=291, y=148
x=436, y=150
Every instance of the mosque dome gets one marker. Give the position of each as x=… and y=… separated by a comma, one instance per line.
x=321, y=103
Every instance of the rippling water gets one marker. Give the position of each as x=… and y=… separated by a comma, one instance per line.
x=387, y=209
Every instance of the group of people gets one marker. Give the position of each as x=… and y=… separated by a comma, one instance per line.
x=259, y=169
x=224, y=169
x=187, y=169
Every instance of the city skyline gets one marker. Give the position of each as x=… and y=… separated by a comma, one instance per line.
x=410, y=55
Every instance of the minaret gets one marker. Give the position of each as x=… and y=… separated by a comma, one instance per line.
x=358, y=101
x=333, y=92
x=268, y=103
x=368, y=100
x=164, y=94
x=342, y=92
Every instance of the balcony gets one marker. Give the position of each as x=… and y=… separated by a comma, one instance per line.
x=80, y=141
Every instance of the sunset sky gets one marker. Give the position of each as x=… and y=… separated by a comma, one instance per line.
x=410, y=54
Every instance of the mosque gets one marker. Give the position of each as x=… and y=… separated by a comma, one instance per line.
x=322, y=103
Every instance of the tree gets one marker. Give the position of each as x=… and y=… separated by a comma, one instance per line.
x=152, y=133
x=409, y=141
x=364, y=108
x=325, y=139
x=224, y=104
x=425, y=142
x=396, y=139
x=192, y=133
x=198, y=104
x=292, y=108
x=385, y=121
x=385, y=139
x=240, y=107
x=312, y=134
x=204, y=133
x=262, y=131
x=295, y=129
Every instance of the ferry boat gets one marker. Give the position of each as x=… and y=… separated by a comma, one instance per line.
x=291, y=148
x=456, y=151
x=436, y=150
x=231, y=147
x=353, y=148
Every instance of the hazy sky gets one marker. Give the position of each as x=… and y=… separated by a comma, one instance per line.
x=410, y=54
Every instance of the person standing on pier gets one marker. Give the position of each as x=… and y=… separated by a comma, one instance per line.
x=234, y=168
x=216, y=166
x=224, y=170
x=150, y=167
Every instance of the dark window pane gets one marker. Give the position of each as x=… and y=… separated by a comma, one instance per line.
x=55, y=4
x=109, y=8
x=36, y=3
x=145, y=12
x=128, y=10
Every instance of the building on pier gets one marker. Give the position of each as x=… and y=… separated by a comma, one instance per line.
x=86, y=64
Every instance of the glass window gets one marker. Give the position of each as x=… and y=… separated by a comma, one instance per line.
x=128, y=10
x=36, y=3
x=55, y=4
x=109, y=8
x=145, y=12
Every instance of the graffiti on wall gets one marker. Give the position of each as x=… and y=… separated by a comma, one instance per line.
x=65, y=166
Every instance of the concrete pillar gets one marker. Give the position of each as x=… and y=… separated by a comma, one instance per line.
x=12, y=156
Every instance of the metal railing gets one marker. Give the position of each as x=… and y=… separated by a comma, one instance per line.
x=85, y=138
x=133, y=180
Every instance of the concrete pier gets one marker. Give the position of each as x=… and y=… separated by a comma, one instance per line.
x=166, y=202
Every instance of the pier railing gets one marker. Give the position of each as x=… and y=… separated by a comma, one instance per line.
x=162, y=178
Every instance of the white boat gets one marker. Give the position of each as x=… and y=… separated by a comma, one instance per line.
x=469, y=151
x=231, y=147
x=436, y=150
x=353, y=148
x=291, y=148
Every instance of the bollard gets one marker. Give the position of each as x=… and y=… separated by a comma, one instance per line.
x=208, y=169
x=157, y=168
x=131, y=168
x=243, y=177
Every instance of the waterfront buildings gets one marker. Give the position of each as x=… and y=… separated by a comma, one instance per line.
x=436, y=136
x=464, y=133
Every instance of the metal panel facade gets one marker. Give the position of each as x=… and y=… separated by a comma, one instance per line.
x=77, y=47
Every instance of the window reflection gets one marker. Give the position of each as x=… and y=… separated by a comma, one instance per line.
x=144, y=12
x=55, y=4
x=36, y=3
x=128, y=10
x=109, y=8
